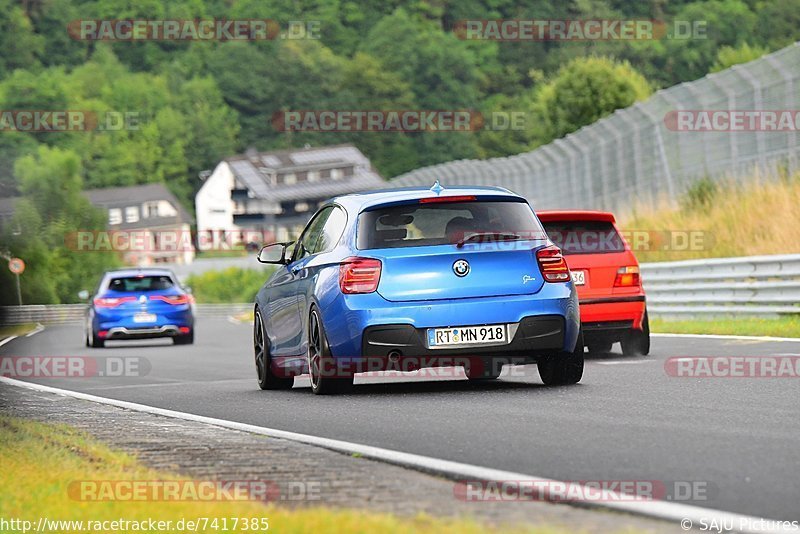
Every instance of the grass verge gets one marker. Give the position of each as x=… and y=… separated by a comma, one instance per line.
x=40, y=461
x=729, y=219
x=16, y=330
x=776, y=327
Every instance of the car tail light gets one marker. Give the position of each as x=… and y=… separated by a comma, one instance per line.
x=184, y=329
x=359, y=275
x=436, y=200
x=102, y=333
x=627, y=277
x=111, y=302
x=176, y=300
x=552, y=264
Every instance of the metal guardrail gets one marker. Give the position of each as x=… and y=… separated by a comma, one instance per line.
x=754, y=286
x=74, y=313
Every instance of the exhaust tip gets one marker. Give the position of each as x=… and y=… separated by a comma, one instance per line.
x=394, y=356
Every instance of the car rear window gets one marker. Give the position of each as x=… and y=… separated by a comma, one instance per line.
x=414, y=225
x=140, y=283
x=584, y=237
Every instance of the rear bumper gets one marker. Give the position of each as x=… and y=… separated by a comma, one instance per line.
x=121, y=332
x=543, y=333
x=166, y=324
x=614, y=313
x=548, y=321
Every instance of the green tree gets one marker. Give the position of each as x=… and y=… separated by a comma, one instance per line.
x=51, y=209
x=584, y=91
x=728, y=56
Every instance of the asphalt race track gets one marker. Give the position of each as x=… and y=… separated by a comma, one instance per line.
x=627, y=420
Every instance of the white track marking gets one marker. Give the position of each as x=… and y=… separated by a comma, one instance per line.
x=741, y=338
x=6, y=340
x=669, y=511
x=39, y=328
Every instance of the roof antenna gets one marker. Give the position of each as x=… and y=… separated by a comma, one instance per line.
x=437, y=187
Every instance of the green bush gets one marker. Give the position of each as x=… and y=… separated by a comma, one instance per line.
x=230, y=285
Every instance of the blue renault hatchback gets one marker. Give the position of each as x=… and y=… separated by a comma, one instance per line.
x=410, y=278
x=140, y=304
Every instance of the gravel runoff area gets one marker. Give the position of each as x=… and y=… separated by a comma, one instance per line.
x=327, y=478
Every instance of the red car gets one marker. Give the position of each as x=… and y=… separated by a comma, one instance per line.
x=606, y=275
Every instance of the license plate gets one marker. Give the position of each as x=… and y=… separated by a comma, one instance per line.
x=144, y=318
x=467, y=335
x=579, y=278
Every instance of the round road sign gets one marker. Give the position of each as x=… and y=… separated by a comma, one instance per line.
x=16, y=265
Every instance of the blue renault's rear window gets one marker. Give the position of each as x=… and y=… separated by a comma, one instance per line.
x=140, y=283
x=414, y=225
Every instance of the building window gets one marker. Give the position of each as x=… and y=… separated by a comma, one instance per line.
x=150, y=210
x=313, y=176
x=131, y=214
x=114, y=216
x=336, y=174
x=289, y=179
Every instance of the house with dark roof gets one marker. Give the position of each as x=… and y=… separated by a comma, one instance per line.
x=149, y=223
x=275, y=193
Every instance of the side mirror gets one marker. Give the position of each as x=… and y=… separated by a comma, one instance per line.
x=274, y=253
x=83, y=295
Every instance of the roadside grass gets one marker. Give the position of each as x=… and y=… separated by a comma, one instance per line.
x=755, y=217
x=231, y=285
x=788, y=326
x=40, y=460
x=16, y=330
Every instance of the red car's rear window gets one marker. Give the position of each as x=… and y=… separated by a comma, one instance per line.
x=584, y=237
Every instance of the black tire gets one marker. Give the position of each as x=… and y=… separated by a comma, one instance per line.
x=483, y=371
x=95, y=342
x=601, y=347
x=187, y=339
x=637, y=342
x=322, y=363
x=266, y=379
x=564, y=368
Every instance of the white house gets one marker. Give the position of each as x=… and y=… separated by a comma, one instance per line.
x=263, y=196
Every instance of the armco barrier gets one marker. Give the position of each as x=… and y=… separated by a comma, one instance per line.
x=74, y=313
x=754, y=285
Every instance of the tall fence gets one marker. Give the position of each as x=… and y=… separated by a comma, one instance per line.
x=633, y=156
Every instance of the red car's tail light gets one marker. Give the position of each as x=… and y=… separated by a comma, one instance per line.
x=552, y=264
x=436, y=200
x=628, y=277
x=111, y=302
x=173, y=299
x=359, y=275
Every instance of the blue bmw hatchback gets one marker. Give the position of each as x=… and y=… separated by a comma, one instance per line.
x=140, y=304
x=410, y=278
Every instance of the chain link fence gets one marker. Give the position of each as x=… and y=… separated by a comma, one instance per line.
x=633, y=157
